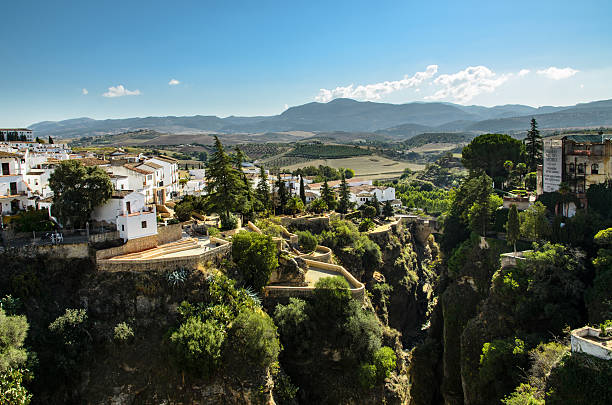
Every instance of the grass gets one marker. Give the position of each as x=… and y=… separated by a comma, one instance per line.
x=374, y=166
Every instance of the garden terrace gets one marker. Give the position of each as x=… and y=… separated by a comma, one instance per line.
x=587, y=340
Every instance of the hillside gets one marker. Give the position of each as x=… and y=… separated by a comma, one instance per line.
x=350, y=116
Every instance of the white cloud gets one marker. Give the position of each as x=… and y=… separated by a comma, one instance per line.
x=376, y=91
x=173, y=82
x=523, y=72
x=466, y=84
x=120, y=91
x=84, y=91
x=555, y=73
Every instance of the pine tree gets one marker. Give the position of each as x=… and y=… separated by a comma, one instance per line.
x=302, y=190
x=376, y=205
x=50, y=140
x=345, y=196
x=224, y=184
x=533, y=145
x=328, y=195
x=263, y=189
x=513, y=228
x=245, y=204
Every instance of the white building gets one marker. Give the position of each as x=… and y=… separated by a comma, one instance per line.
x=362, y=194
x=169, y=180
x=5, y=133
x=14, y=191
x=128, y=211
x=139, y=178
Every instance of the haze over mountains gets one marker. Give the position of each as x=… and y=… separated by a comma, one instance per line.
x=399, y=120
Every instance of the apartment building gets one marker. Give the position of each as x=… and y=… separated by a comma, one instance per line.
x=16, y=134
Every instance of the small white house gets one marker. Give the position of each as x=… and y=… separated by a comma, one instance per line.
x=127, y=210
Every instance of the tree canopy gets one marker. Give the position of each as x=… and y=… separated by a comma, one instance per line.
x=489, y=152
x=78, y=190
x=255, y=257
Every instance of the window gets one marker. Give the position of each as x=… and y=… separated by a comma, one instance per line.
x=122, y=228
x=143, y=224
x=571, y=168
x=581, y=168
x=594, y=168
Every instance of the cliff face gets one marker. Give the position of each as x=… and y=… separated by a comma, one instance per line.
x=410, y=268
x=138, y=371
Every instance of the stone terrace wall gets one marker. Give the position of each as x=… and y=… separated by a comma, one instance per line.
x=169, y=233
x=61, y=251
x=307, y=223
x=103, y=237
x=131, y=246
x=214, y=256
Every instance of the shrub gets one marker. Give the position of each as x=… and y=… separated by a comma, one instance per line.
x=255, y=257
x=123, y=333
x=284, y=390
x=306, y=241
x=71, y=328
x=13, y=331
x=523, y=395
x=12, y=390
x=229, y=221
x=183, y=211
x=252, y=343
x=367, y=376
x=366, y=224
x=369, y=211
x=197, y=345
x=385, y=361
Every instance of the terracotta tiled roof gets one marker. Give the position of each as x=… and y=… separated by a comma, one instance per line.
x=137, y=169
x=153, y=165
x=166, y=159
x=89, y=161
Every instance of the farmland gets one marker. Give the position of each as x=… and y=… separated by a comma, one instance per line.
x=372, y=165
x=314, y=151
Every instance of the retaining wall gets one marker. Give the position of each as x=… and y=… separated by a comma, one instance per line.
x=215, y=256
x=325, y=254
x=103, y=237
x=169, y=233
x=581, y=343
x=61, y=251
x=165, y=234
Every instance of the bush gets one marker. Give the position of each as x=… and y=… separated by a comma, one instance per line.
x=255, y=257
x=13, y=331
x=367, y=376
x=366, y=224
x=229, y=222
x=306, y=241
x=252, y=343
x=197, y=345
x=183, y=211
x=123, y=333
x=33, y=220
x=385, y=362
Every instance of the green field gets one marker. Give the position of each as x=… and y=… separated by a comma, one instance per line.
x=327, y=151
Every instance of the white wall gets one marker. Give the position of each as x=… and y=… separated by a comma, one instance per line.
x=130, y=226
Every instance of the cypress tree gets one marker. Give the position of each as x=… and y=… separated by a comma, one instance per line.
x=283, y=197
x=302, y=190
x=513, y=227
x=328, y=195
x=533, y=146
x=263, y=189
x=345, y=196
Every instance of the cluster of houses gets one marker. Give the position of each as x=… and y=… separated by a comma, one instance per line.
x=141, y=184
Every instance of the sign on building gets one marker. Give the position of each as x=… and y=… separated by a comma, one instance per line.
x=553, y=165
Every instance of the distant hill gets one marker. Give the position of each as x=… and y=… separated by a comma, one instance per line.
x=438, y=137
x=395, y=120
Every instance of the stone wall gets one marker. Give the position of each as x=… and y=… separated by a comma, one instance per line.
x=61, y=251
x=314, y=223
x=321, y=254
x=103, y=237
x=213, y=256
x=582, y=342
x=169, y=233
x=131, y=246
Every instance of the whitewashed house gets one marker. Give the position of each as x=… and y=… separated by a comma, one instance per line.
x=127, y=211
x=14, y=191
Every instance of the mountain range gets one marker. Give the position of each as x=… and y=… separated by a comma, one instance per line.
x=396, y=120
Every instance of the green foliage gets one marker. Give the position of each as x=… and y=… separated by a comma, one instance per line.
x=599, y=197
x=252, y=343
x=345, y=203
x=123, y=333
x=13, y=331
x=262, y=192
x=524, y=394
x=500, y=362
x=295, y=205
x=345, y=238
x=33, y=220
x=366, y=224
x=513, y=226
x=284, y=390
x=225, y=187
x=489, y=152
x=255, y=257
x=197, y=344
x=317, y=206
x=531, y=181
x=369, y=212
x=12, y=391
x=228, y=221
x=367, y=376
x=72, y=337
x=580, y=379
x=183, y=211
x=307, y=241
x=77, y=190
x=385, y=361
x=387, y=209
x=533, y=146
x=328, y=195
x=534, y=225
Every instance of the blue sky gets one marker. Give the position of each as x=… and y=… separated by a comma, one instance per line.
x=107, y=59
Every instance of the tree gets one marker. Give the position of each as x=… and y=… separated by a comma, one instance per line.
x=376, y=204
x=50, y=140
x=349, y=173
x=534, y=225
x=224, y=184
x=533, y=146
x=489, y=152
x=328, y=195
x=387, y=209
x=479, y=212
x=245, y=201
x=317, y=206
x=513, y=228
x=521, y=170
x=302, y=190
x=295, y=205
x=283, y=196
x=78, y=190
x=255, y=257
x=13, y=331
x=345, y=197
x=263, y=189
x=369, y=211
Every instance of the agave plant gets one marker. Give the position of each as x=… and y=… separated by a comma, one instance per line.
x=177, y=277
x=253, y=295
